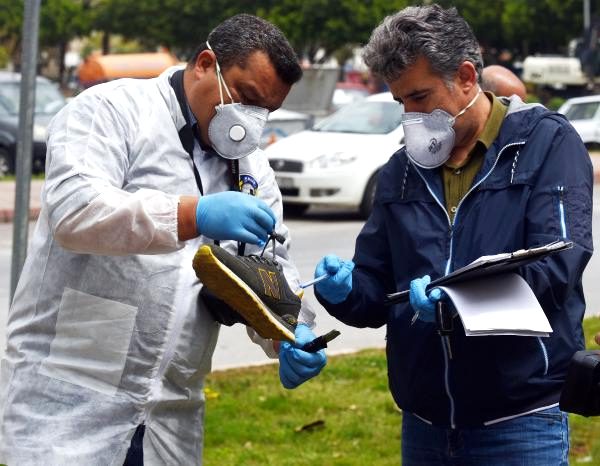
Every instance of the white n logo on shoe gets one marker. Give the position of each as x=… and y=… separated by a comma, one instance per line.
x=270, y=283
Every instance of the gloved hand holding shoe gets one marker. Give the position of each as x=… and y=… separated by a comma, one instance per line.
x=422, y=302
x=338, y=285
x=297, y=366
x=234, y=216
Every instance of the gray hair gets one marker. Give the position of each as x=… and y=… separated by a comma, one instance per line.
x=442, y=36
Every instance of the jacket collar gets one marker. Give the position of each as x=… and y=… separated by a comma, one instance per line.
x=519, y=122
x=168, y=94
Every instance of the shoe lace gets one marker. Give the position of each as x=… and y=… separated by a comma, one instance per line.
x=273, y=237
x=260, y=260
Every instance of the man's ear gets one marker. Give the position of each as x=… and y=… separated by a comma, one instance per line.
x=206, y=62
x=467, y=76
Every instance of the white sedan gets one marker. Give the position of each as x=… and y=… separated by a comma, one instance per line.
x=584, y=115
x=336, y=162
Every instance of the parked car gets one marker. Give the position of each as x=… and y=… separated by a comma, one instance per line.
x=48, y=101
x=336, y=162
x=282, y=123
x=584, y=115
x=347, y=93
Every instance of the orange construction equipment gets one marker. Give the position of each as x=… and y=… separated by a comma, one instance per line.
x=98, y=68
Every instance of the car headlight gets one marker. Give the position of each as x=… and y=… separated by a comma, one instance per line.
x=337, y=159
x=39, y=133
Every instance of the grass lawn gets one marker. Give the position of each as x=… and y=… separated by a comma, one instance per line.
x=345, y=416
x=13, y=178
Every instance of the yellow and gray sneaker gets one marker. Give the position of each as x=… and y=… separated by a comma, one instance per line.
x=252, y=286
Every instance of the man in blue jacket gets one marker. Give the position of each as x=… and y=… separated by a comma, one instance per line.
x=478, y=175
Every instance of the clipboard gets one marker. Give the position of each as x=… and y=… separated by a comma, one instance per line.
x=488, y=265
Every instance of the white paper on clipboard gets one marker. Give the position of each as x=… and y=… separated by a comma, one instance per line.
x=500, y=304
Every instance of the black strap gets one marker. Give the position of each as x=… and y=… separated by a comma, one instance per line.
x=187, y=134
x=234, y=174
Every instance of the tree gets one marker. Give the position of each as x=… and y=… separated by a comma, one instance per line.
x=542, y=26
x=11, y=24
x=180, y=25
x=60, y=22
x=313, y=25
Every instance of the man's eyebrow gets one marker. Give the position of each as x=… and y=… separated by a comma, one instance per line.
x=254, y=96
x=251, y=92
x=411, y=94
x=416, y=92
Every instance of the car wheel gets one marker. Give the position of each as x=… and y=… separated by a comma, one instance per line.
x=592, y=146
x=37, y=166
x=295, y=210
x=366, y=204
x=6, y=163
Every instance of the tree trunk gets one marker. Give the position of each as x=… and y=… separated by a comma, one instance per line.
x=105, y=43
x=62, y=49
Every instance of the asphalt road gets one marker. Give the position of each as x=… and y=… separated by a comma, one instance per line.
x=318, y=233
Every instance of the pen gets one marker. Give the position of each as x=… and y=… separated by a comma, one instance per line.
x=317, y=343
x=320, y=343
x=314, y=280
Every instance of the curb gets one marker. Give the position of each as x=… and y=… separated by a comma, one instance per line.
x=8, y=215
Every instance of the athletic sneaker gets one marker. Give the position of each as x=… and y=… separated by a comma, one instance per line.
x=253, y=286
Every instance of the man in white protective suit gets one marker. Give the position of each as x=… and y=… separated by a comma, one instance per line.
x=108, y=343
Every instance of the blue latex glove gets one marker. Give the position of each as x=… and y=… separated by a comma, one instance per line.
x=423, y=304
x=338, y=285
x=234, y=215
x=297, y=366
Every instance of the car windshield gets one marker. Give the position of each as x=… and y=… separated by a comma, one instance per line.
x=366, y=117
x=583, y=111
x=48, y=100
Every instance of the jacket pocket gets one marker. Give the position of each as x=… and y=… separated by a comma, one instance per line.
x=91, y=341
x=519, y=361
x=574, y=211
x=560, y=208
x=544, y=352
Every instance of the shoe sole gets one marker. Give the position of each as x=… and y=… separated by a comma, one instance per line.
x=237, y=294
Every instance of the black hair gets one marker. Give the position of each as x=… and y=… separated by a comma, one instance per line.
x=236, y=38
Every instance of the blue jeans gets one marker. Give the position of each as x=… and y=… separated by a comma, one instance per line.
x=537, y=439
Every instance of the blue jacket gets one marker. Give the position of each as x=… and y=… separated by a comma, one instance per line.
x=535, y=187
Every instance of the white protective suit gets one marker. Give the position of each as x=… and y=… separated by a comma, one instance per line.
x=106, y=331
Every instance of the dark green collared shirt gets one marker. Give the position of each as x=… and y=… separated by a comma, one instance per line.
x=457, y=181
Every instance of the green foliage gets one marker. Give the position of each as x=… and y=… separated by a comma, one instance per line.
x=61, y=21
x=4, y=57
x=11, y=21
x=533, y=26
x=180, y=25
x=311, y=25
x=555, y=102
x=251, y=420
x=333, y=26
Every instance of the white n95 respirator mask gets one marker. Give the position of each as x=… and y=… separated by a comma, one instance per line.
x=235, y=131
x=429, y=137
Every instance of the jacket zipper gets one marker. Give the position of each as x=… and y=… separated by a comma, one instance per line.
x=544, y=354
x=451, y=224
x=561, y=211
x=563, y=231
